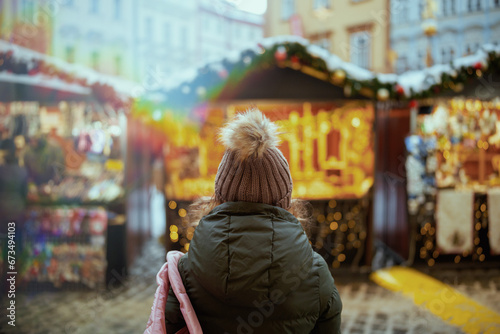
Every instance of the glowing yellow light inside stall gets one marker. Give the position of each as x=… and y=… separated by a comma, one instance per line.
x=356, y=122
x=174, y=228
x=172, y=205
x=182, y=213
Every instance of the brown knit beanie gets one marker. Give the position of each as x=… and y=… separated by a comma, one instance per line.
x=253, y=169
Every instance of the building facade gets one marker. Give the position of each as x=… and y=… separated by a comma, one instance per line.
x=355, y=30
x=143, y=41
x=224, y=28
x=460, y=27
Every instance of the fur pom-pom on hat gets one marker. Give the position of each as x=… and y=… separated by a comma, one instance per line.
x=253, y=169
x=250, y=134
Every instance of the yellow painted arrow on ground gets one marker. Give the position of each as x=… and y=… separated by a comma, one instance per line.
x=440, y=299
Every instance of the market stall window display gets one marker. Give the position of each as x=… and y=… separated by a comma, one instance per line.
x=72, y=154
x=453, y=170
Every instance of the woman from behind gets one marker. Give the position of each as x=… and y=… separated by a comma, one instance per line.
x=250, y=266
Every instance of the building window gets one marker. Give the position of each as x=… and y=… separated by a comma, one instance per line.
x=453, y=8
x=69, y=3
x=446, y=55
x=118, y=9
x=251, y=34
x=70, y=54
x=400, y=11
x=401, y=64
x=473, y=5
x=360, y=49
x=444, y=7
x=94, y=60
x=322, y=40
x=28, y=10
x=496, y=3
x=422, y=60
x=421, y=8
x=287, y=9
x=318, y=4
x=471, y=48
x=94, y=6
x=118, y=65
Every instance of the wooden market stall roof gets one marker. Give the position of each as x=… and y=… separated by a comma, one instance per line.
x=282, y=84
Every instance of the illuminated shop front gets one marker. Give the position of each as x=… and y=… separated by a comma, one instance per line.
x=452, y=164
x=71, y=140
x=454, y=169
x=328, y=146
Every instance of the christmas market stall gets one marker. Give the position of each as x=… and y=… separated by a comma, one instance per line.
x=453, y=161
x=325, y=109
x=70, y=137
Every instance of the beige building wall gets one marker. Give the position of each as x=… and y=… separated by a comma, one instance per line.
x=356, y=31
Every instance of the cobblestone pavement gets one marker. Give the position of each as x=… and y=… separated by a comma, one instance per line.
x=368, y=308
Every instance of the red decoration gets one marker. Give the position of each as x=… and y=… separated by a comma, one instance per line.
x=294, y=59
x=478, y=66
x=400, y=90
x=280, y=55
x=413, y=104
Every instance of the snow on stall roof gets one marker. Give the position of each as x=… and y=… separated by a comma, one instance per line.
x=413, y=82
x=422, y=80
x=44, y=81
x=333, y=62
x=122, y=86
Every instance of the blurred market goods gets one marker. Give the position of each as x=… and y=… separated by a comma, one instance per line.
x=452, y=168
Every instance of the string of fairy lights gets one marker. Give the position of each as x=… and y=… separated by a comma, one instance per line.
x=426, y=238
x=339, y=229
x=180, y=231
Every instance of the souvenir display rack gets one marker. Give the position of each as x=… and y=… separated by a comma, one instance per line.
x=73, y=152
x=455, y=147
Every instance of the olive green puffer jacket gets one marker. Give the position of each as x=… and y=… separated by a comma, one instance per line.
x=251, y=269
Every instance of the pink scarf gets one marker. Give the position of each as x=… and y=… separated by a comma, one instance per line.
x=156, y=322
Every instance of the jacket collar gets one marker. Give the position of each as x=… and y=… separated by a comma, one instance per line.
x=249, y=208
